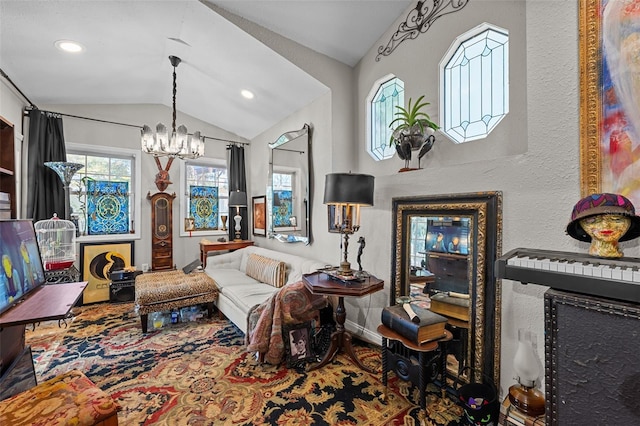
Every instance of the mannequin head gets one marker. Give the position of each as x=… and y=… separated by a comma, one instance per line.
x=604, y=220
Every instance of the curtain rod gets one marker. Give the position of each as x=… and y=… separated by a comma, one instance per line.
x=4, y=74
x=28, y=109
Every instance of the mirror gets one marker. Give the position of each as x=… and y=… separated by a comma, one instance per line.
x=288, y=206
x=445, y=249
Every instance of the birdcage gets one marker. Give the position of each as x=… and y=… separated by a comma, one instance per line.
x=57, y=242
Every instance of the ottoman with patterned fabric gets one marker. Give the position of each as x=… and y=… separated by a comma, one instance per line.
x=163, y=291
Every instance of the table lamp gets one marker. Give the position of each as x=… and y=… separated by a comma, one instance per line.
x=238, y=199
x=524, y=396
x=348, y=192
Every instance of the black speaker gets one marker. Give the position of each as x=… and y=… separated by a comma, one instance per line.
x=122, y=291
x=592, y=363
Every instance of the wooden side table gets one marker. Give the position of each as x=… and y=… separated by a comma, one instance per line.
x=321, y=283
x=207, y=246
x=397, y=352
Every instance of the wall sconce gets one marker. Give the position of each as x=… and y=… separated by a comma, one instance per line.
x=348, y=192
x=524, y=396
x=238, y=199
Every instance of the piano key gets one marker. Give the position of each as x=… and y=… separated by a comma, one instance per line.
x=605, y=272
x=616, y=273
x=636, y=276
x=627, y=274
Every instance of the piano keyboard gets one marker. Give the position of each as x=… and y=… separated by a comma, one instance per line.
x=581, y=273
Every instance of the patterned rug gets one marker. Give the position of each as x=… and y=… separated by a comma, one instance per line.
x=198, y=373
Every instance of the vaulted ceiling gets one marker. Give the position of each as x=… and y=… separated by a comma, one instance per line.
x=128, y=43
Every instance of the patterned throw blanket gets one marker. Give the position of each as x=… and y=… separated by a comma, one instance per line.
x=292, y=304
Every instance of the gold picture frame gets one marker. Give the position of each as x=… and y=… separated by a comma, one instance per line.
x=606, y=148
x=97, y=261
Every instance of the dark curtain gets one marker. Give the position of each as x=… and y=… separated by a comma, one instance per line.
x=237, y=181
x=46, y=143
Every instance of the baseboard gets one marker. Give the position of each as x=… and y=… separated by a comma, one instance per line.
x=363, y=333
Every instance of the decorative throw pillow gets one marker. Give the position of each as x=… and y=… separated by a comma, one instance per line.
x=266, y=270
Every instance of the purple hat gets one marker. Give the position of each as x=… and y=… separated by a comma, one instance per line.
x=597, y=204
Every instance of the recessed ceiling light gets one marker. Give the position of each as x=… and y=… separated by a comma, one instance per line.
x=69, y=46
x=247, y=93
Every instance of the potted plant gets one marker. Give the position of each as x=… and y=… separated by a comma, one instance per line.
x=411, y=124
x=412, y=131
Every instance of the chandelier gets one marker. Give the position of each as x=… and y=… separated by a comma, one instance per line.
x=177, y=144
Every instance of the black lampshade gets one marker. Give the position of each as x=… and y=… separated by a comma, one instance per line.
x=237, y=199
x=276, y=200
x=348, y=188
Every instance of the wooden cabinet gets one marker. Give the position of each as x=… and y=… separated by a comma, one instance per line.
x=7, y=171
x=161, y=231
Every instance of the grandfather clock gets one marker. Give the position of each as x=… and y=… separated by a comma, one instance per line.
x=161, y=231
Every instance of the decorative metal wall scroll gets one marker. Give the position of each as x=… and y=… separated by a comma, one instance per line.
x=419, y=21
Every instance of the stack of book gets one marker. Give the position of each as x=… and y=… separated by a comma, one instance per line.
x=5, y=205
x=426, y=327
x=511, y=416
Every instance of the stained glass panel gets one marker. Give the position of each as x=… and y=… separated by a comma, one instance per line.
x=107, y=207
x=282, y=208
x=475, y=78
x=382, y=102
x=203, y=206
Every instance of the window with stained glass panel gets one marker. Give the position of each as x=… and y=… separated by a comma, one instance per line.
x=203, y=206
x=385, y=95
x=107, y=207
x=283, y=203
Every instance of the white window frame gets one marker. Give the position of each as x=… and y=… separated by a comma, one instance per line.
x=389, y=152
x=184, y=201
x=136, y=181
x=466, y=120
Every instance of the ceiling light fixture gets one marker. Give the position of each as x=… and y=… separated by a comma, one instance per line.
x=69, y=46
x=179, y=143
x=247, y=93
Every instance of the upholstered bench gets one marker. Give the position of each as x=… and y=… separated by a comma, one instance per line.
x=163, y=291
x=68, y=399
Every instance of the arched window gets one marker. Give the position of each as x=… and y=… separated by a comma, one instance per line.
x=385, y=94
x=474, y=83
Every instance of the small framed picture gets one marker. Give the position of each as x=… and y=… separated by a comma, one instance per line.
x=297, y=343
x=260, y=215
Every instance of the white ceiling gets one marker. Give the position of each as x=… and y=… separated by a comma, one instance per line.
x=128, y=44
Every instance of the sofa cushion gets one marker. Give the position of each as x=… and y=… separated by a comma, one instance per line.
x=249, y=295
x=225, y=278
x=266, y=270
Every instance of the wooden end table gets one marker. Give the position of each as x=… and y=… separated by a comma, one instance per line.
x=321, y=283
x=402, y=365
x=207, y=246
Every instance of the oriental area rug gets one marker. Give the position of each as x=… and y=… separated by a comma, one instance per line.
x=198, y=373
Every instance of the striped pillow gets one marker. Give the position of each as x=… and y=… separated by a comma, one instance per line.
x=266, y=270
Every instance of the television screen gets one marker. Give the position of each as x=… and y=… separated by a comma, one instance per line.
x=446, y=235
x=21, y=270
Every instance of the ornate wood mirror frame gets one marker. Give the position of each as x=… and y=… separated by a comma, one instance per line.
x=482, y=212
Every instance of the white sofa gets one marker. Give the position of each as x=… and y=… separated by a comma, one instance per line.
x=240, y=292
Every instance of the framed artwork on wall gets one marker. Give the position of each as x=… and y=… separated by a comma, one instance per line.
x=97, y=261
x=259, y=215
x=609, y=99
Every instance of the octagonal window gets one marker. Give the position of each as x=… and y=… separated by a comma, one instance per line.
x=385, y=94
x=474, y=83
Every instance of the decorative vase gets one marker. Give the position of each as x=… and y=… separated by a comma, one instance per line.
x=223, y=218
